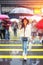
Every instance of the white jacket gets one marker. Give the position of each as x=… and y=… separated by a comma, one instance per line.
x=20, y=33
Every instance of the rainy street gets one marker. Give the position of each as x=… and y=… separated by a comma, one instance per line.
x=16, y=52
x=21, y=32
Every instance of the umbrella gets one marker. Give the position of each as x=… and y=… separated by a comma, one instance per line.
x=21, y=10
x=3, y=16
x=14, y=19
x=22, y=17
x=39, y=25
x=36, y=17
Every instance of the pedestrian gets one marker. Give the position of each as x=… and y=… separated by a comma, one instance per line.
x=34, y=32
x=15, y=27
x=40, y=34
x=25, y=35
x=6, y=24
x=1, y=28
x=34, y=29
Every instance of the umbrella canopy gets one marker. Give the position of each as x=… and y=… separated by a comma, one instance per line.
x=39, y=25
x=22, y=17
x=21, y=10
x=14, y=20
x=2, y=16
x=36, y=17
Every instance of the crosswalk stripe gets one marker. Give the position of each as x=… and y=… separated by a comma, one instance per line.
x=21, y=49
x=20, y=56
x=19, y=44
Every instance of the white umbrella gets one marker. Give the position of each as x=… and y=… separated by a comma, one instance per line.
x=22, y=10
x=14, y=19
x=22, y=17
x=36, y=17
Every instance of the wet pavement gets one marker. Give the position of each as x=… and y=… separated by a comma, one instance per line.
x=14, y=52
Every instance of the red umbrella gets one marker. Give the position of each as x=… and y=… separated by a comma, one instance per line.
x=39, y=25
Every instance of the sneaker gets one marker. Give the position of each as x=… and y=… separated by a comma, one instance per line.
x=25, y=58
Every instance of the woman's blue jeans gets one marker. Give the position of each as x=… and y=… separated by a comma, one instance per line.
x=24, y=44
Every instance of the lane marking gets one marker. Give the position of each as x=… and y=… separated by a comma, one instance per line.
x=20, y=49
x=20, y=56
x=19, y=44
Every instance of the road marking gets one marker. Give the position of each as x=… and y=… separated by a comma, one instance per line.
x=20, y=49
x=19, y=44
x=20, y=56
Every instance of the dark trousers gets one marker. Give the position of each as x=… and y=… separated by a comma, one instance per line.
x=2, y=34
x=15, y=32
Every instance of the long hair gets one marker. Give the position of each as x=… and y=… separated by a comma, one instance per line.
x=23, y=22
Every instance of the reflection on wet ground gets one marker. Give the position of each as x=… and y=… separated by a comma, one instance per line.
x=19, y=61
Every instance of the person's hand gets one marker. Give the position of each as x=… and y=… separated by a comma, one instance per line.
x=8, y=24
